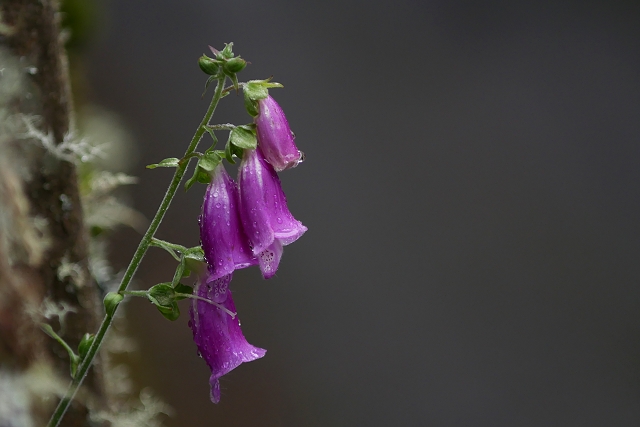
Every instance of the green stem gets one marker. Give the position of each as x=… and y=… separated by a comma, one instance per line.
x=135, y=261
x=163, y=243
x=144, y=294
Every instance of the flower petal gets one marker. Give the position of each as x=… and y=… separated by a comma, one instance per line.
x=269, y=259
x=264, y=212
x=254, y=179
x=224, y=242
x=217, y=335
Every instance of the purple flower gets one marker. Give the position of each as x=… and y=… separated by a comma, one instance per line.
x=263, y=209
x=224, y=242
x=216, y=333
x=275, y=138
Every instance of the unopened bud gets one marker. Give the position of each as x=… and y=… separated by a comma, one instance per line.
x=235, y=65
x=208, y=65
x=85, y=344
x=111, y=301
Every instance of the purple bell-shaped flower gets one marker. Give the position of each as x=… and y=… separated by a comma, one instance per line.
x=224, y=242
x=275, y=138
x=216, y=333
x=263, y=209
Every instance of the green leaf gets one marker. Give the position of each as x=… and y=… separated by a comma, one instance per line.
x=243, y=137
x=73, y=358
x=171, y=162
x=196, y=253
x=227, y=52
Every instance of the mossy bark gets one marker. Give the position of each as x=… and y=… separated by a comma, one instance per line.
x=42, y=229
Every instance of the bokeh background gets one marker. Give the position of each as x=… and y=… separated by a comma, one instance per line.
x=472, y=192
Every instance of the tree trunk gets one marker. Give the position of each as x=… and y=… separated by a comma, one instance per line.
x=43, y=239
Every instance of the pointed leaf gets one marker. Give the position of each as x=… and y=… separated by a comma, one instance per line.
x=171, y=162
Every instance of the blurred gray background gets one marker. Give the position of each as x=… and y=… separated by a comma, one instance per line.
x=472, y=195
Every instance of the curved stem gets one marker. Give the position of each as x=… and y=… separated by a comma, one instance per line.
x=135, y=261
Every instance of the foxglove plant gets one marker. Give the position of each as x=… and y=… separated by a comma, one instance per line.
x=216, y=333
x=240, y=225
x=264, y=212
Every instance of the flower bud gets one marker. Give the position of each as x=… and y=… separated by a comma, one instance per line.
x=235, y=65
x=111, y=301
x=85, y=344
x=208, y=65
x=275, y=138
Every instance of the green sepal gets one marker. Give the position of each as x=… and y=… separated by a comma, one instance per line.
x=199, y=175
x=259, y=89
x=227, y=52
x=170, y=313
x=195, y=254
x=234, y=80
x=209, y=161
x=186, y=272
x=85, y=345
x=244, y=137
x=251, y=106
x=255, y=90
x=230, y=150
x=206, y=85
x=213, y=136
x=194, y=260
x=163, y=296
x=171, y=162
x=111, y=301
